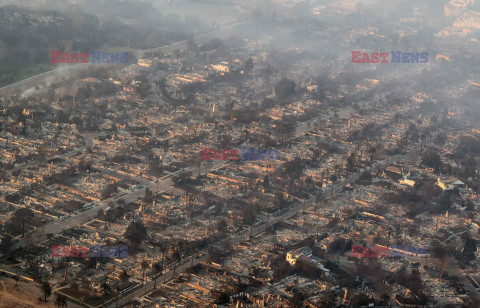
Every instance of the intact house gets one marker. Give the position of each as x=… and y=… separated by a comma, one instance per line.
x=305, y=254
x=407, y=181
x=293, y=256
x=449, y=183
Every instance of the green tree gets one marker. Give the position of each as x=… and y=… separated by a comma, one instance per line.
x=285, y=88
x=469, y=248
x=293, y=169
x=109, y=190
x=158, y=268
x=414, y=282
x=61, y=300
x=279, y=201
x=351, y=162
x=248, y=214
x=266, y=182
x=7, y=244
x=124, y=278
x=176, y=256
x=222, y=226
x=105, y=287
x=248, y=65
x=144, y=266
x=47, y=289
x=285, y=128
x=432, y=159
x=136, y=232
x=148, y=196
x=365, y=178
x=21, y=217
x=442, y=253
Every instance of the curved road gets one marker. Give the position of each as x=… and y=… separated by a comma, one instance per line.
x=61, y=72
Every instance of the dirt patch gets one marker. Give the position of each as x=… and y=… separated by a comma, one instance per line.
x=23, y=295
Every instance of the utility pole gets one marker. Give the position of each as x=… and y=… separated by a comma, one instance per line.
x=193, y=254
x=163, y=257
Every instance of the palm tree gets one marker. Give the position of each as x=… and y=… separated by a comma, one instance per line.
x=61, y=300
x=158, y=269
x=251, y=176
x=144, y=267
x=194, y=248
x=197, y=161
x=124, y=278
x=164, y=249
x=105, y=287
x=47, y=289
x=177, y=258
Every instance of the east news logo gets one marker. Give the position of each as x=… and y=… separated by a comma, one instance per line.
x=382, y=57
x=82, y=57
x=96, y=251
